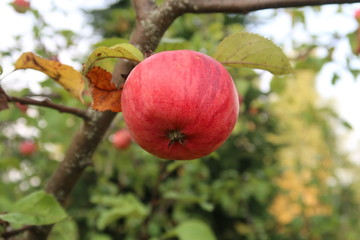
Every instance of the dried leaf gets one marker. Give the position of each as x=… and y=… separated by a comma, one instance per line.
x=253, y=51
x=65, y=75
x=3, y=100
x=122, y=50
x=105, y=95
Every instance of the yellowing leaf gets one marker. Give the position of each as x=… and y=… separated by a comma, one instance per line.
x=253, y=51
x=65, y=75
x=122, y=50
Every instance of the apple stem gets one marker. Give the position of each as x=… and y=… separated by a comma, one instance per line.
x=176, y=136
x=148, y=53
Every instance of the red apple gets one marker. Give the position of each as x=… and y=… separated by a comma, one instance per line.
x=121, y=139
x=27, y=147
x=21, y=6
x=180, y=105
x=357, y=14
x=22, y=107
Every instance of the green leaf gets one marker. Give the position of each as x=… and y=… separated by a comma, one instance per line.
x=174, y=165
x=38, y=208
x=64, y=230
x=5, y=203
x=194, y=229
x=253, y=51
x=121, y=206
x=1, y=70
x=346, y=124
x=278, y=84
x=121, y=50
x=99, y=236
x=189, y=198
x=335, y=78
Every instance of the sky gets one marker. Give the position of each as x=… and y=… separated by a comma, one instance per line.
x=345, y=94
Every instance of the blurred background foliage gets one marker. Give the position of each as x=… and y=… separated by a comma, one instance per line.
x=280, y=176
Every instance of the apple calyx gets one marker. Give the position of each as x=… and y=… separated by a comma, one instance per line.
x=176, y=136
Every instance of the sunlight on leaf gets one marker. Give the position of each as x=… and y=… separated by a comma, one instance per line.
x=253, y=51
x=38, y=208
x=122, y=50
x=105, y=95
x=65, y=75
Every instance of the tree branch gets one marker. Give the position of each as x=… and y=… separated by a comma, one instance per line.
x=246, y=6
x=151, y=26
x=46, y=103
x=143, y=8
x=77, y=158
x=12, y=233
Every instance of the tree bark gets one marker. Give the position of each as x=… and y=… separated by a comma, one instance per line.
x=246, y=6
x=151, y=23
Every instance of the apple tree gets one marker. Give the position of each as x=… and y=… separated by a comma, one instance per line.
x=67, y=173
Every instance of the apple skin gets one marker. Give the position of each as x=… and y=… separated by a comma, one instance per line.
x=21, y=6
x=22, y=107
x=357, y=14
x=27, y=147
x=121, y=139
x=180, y=105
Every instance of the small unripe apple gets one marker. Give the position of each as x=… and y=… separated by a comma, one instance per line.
x=21, y=6
x=121, y=139
x=27, y=147
x=180, y=105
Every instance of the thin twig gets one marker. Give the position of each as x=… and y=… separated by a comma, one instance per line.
x=47, y=103
x=246, y=6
